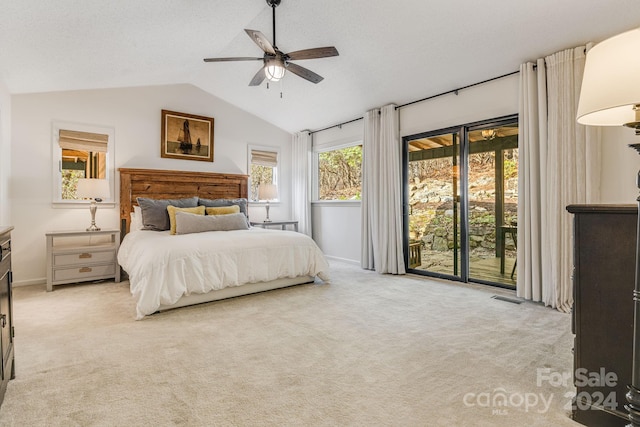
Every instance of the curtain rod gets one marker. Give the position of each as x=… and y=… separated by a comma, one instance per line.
x=339, y=125
x=422, y=100
x=457, y=90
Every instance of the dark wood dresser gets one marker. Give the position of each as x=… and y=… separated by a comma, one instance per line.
x=603, y=283
x=6, y=312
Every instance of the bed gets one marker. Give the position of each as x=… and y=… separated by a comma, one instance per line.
x=168, y=271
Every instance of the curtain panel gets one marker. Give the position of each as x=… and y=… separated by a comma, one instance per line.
x=559, y=165
x=382, y=192
x=301, y=188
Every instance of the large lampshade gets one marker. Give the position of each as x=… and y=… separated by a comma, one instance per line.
x=611, y=82
x=89, y=188
x=267, y=192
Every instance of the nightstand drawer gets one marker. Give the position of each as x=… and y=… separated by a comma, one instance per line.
x=84, y=273
x=83, y=258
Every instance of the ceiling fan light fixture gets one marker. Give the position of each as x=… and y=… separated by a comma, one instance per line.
x=274, y=71
x=489, y=134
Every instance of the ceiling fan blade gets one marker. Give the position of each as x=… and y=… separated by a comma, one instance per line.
x=261, y=41
x=239, y=58
x=258, y=78
x=304, y=73
x=318, y=52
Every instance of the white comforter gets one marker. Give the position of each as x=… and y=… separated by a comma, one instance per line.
x=162, y=267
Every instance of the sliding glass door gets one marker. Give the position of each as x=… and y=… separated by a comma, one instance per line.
x=492, y=194
x=433, y=176
x=461, y=198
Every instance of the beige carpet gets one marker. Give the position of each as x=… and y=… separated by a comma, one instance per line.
x=365, y=350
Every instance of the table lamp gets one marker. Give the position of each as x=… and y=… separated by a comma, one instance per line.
x=267, y=192
x=610, y=96
x=96, y=190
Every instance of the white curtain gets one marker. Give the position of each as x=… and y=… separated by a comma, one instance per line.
x=382, y=192
x=559, y=165
x=301, y=188
x=532, y=125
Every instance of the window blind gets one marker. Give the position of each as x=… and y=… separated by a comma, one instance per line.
x=85, y=141
x=264, y=158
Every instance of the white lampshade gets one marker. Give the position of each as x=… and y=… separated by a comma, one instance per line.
x=267, y=192
x=89, y=188
x=274, y=70
x=611, y=82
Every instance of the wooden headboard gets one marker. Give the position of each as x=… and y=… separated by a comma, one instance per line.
x=165, y=184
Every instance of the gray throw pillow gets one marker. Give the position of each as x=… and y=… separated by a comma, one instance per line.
x=215, y=203
x=191, y=223
x=154, y=211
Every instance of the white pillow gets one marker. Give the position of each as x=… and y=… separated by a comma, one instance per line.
x=191, y=223
x=136, y=220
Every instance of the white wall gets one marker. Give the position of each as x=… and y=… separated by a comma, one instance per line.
x=135, y=115
x=5, y=154
x=490, y=100
x=620, y=165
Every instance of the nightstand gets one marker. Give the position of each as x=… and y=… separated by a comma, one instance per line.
x=282, y=224
x=80, y=256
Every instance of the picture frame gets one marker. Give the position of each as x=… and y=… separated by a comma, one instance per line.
x=186, y=136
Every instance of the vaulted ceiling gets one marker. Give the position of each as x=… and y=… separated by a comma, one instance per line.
x=390, y=51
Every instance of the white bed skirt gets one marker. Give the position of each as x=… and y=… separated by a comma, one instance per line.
x=236, y=291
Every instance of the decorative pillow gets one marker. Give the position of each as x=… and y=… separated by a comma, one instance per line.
x=223, y=210
x=134, y=224
x=154, y=211
x=189, y=223
x=198, y=210
x=214, y=203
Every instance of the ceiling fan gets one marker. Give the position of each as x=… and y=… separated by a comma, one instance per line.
x=275, y=62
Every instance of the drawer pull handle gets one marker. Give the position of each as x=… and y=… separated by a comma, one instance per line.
x=3, y=320
x=84, y=255
x=85, y=270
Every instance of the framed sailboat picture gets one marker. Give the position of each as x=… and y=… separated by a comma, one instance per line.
x=186, y=136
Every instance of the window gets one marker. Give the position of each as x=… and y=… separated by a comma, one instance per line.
x=263, y=169
x=339, y=173
x=80, y=151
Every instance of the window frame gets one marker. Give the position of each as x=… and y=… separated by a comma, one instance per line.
x=56, y=163
x=276, y=172
x=315, y=164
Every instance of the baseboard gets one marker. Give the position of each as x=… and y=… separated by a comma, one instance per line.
x=348, y=261
x=31, y=282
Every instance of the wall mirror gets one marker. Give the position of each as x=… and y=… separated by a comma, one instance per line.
x=81, y=151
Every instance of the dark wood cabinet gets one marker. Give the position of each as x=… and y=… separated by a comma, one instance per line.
x=7, y=368
x=603, y=283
